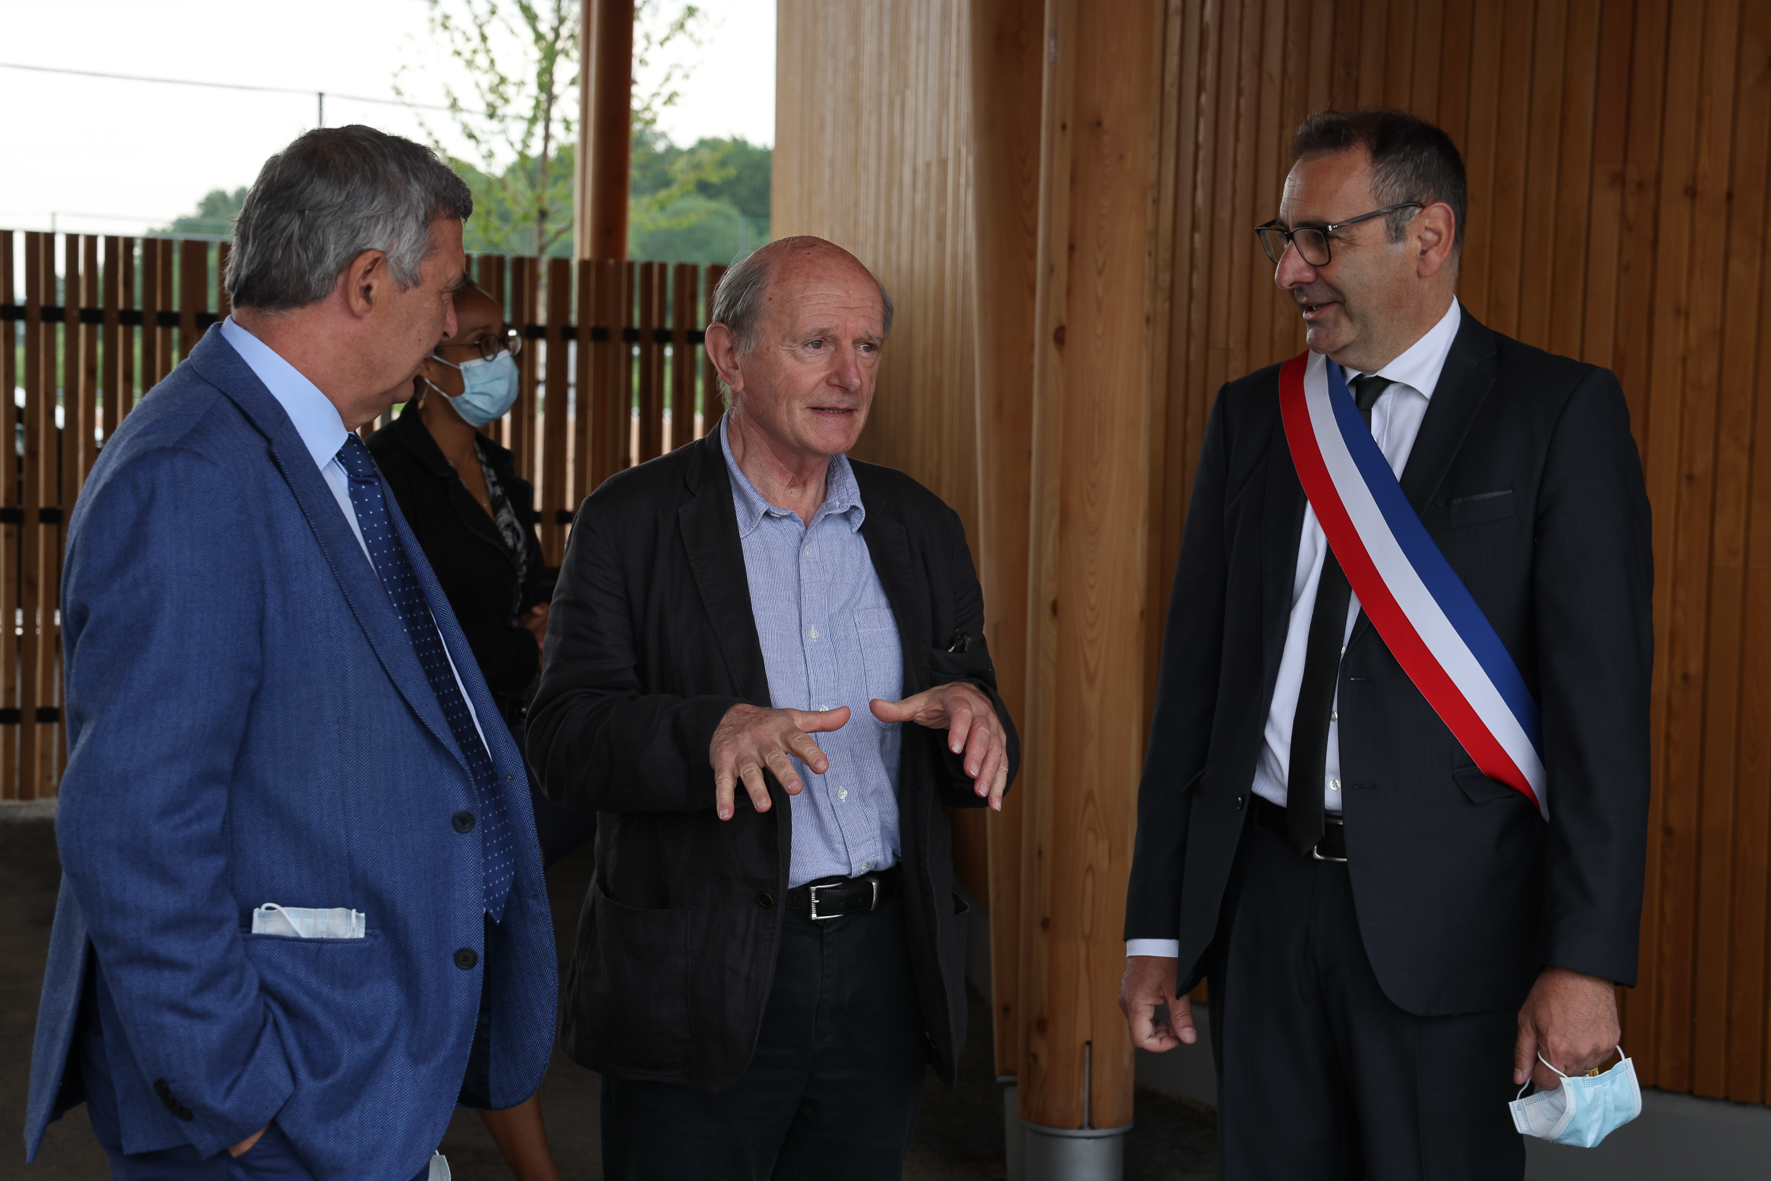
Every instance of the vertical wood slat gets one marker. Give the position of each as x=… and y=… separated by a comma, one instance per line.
x=84, y=416
x=193, y=292
x=682, y=361
x=1750, y=427
x=554, y=493
x=130, y=335
x=10, y=378
x=712, y=405
x=525, y=282
x=651, y=361
x=633, y=434
x=585, y=435
x=39, y=376
x=609, y=355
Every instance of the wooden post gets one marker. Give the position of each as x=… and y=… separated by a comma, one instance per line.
x=1096, y=412
x=605, y=148
x=1007, y=68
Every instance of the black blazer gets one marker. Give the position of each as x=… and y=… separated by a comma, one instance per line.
x=650, y=642
x=466, y=550
x=1525, y=474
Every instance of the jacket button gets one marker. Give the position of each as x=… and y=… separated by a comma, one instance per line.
x=765, y=900
x=1241, y=800
x=463, y=821
x=183, y=1113
x=466, y=958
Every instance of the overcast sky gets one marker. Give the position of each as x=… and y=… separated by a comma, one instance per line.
x=118, y=157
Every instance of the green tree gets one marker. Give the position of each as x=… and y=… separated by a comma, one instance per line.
x=517, y=110
x=214, y=215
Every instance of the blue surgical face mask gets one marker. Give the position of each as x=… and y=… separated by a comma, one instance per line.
x=488, y=388
x=1582, y=1111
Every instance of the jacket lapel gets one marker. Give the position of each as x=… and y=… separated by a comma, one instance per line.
x=888, y=545
x=362, y=588
x=709, y=527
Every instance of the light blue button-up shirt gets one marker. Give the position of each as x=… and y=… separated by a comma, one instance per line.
x=829, y=638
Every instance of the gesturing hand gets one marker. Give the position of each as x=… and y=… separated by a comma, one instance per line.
x=1569, y=1018
x=750, y=738
x=966, y=714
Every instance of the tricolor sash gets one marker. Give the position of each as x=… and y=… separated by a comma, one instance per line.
x=1415, y=600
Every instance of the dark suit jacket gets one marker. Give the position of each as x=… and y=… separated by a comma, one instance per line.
x=650, y=642
x=1525, y=475
x=466, y=550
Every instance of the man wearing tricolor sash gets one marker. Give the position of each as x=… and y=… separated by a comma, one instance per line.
x=1394, y=808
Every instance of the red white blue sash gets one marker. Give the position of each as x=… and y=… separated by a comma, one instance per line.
x=1415, y=600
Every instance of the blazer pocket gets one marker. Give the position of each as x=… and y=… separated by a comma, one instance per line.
x=1480, y=508
x=1482, y=789
x=635, y=988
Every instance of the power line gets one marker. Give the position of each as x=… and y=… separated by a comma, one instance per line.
x=320, y=94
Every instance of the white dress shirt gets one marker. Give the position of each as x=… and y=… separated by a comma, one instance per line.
x=1395, y=421
x=318, y=423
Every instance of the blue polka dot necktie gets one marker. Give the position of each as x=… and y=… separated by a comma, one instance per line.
x=401, y=581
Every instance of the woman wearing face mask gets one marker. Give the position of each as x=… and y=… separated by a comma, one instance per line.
x=475, y=519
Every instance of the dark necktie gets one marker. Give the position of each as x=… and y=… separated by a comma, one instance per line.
x=1322, y=663
x=401, y=581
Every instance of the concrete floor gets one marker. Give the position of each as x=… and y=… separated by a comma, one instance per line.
x=958, y=1137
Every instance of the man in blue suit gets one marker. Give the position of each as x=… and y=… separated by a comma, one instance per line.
x=302, y=913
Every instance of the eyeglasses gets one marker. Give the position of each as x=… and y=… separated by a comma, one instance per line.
x=509, y=340
x=1312, y=241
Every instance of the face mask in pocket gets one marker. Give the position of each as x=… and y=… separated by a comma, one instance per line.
x=1582, y=1111
x=303, y=922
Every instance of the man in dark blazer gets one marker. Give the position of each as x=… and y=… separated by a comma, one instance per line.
x=772, y=951
x=302, y=915
x=1391, y=938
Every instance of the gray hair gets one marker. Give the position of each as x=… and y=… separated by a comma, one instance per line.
x=325, y=199
x=737, y=303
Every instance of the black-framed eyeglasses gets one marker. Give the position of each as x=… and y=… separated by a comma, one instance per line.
x=509, y=340
x=1312, y=241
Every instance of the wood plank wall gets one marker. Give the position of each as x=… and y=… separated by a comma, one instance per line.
x=872, y=151
x=1618, y=153
x=81, y=342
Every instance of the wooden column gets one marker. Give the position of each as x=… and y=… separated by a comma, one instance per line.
x=1095, y=489
x=605, y=146
x=1006, y=74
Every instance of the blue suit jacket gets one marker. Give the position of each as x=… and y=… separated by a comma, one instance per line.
x=248, y=723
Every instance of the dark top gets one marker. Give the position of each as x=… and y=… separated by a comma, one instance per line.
x=489, y=582
x=650, y=642
x=1526, y=477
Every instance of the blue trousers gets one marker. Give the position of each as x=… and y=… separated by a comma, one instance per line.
x=271, y=1159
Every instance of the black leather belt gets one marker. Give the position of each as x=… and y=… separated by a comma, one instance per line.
x=829, y=898
x=1332, y=846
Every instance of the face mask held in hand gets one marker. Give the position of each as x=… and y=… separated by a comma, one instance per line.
x=1582, y=1111
x=488, y=388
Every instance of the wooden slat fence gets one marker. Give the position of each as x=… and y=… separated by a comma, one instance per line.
x=89, y=324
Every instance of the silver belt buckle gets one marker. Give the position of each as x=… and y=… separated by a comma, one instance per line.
x=1314, y=855
x=872, y=880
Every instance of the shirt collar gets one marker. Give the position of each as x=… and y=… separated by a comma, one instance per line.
x=1419, y=365
x=842, y=495
x=315, y=417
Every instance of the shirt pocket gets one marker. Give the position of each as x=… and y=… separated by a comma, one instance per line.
x=882, y=657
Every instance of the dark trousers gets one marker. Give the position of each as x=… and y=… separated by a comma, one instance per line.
x=832, y=1091
x=1320, y=1076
